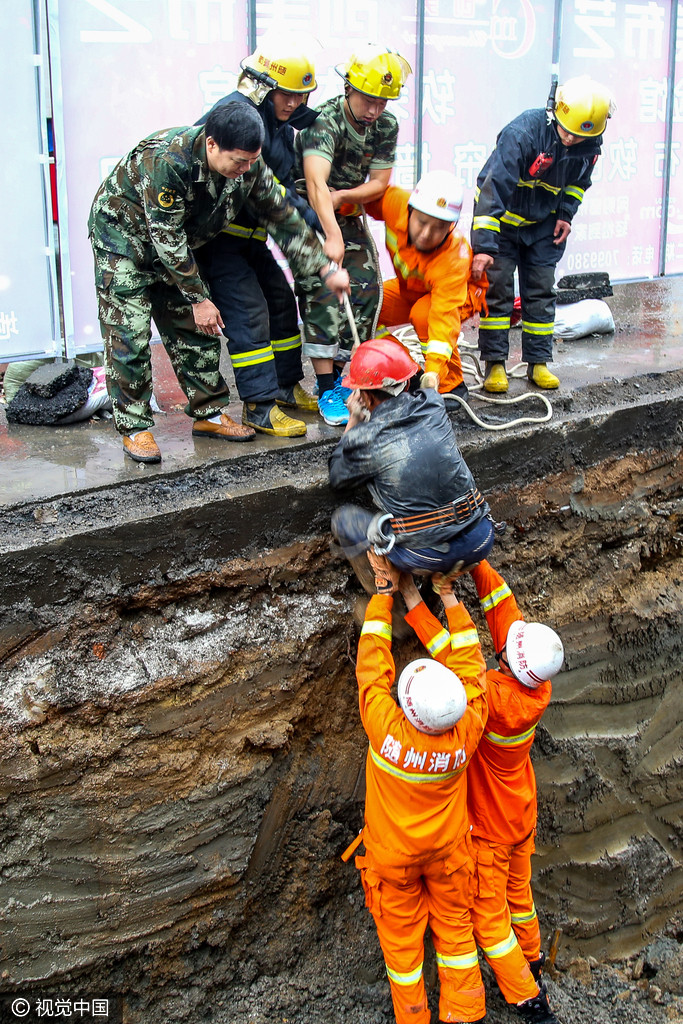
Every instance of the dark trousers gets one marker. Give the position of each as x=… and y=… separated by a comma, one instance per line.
x=350, y=526
x=259, y=312
x=535, y=265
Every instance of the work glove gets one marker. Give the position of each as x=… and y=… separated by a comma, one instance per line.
x=430, y=380
x=386, y=574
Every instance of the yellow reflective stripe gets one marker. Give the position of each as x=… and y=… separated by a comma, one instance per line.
x=286, y=344
x=459, y=962
x=404, y=979
x=501, y=948
x=437, y=643
x=515, y=220
x=439, y=348
x=252, y=358
x=575, y=192
x=538, y=329
x=523, y=918
x=417, y=777
x=391, y=240
x=510, y=741
x=258, y=234
x=494, y=323
x=486, y=224
x=376, y=627
x=464, y=638
x=537, y=183
x=489, y=601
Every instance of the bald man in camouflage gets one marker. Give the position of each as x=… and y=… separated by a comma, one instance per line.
x=175, y=191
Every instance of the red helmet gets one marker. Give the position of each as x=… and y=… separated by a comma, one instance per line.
x=378, y=363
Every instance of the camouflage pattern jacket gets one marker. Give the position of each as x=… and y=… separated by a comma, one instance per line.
x=162, y=201
x=351, y=154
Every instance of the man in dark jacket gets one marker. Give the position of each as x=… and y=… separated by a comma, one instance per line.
x=526, y=196
x=402, y=447
x=262, y=328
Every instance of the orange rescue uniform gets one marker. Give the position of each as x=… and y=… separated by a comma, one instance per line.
x=432, y=290
x=501, y=799
x=417, y=869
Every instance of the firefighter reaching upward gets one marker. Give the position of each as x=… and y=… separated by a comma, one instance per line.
x=417, y=868
x=501, y=795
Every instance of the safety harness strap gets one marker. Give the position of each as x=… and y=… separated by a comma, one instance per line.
x=460, y=510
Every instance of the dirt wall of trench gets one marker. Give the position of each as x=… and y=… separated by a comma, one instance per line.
x=181, y=758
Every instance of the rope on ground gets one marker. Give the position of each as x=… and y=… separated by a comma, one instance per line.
x=406, y=335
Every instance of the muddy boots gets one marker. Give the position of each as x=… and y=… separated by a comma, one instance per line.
x=536, y=968
x=537, y=1010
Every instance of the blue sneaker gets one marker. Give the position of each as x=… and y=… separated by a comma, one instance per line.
x=332, y=409
x=344, y=393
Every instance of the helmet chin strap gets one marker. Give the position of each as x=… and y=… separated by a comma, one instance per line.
x=348, y=107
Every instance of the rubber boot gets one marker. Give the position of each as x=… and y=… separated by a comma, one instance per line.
x=496, y=380
x=536, y=968
x=268, y=418
x=537, y=1010
x=540, y=375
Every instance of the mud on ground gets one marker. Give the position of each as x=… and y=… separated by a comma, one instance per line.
x=181, y=759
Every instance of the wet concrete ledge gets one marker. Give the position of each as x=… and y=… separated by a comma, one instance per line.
x=107, y=522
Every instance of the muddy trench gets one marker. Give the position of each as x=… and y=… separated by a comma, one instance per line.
x=181, y=757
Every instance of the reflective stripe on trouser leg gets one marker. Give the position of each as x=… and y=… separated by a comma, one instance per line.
x=230, y=266
x=536, y=287
x=285, y=336
x=494, y=328
x=448, y=883
x=326, y=330
x=492, y=924
x=396, y=898
x=520, y=899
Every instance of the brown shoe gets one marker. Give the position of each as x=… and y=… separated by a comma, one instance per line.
x=142, y=447
x=227, y=429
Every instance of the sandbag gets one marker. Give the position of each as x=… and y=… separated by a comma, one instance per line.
x=37, y=409
x=579, y=319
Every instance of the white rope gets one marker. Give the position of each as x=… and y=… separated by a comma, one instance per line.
x=407, y=336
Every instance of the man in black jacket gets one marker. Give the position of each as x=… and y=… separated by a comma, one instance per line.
x=264, y=341
x=402, y=447
x=526, y=196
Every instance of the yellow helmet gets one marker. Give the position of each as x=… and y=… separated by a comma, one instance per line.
x=376, y=71
x=284, y=62
x=582, y=106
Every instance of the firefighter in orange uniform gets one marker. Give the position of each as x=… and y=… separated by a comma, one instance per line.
x=432, y=288
x=417, y=869
x=501, y=796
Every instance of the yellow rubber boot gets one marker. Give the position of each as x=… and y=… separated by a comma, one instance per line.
x=268, y=418
x=540, y=375
x=496, y=378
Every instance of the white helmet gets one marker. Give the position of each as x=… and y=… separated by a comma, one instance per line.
x=534, y=652
x=438, y=194
x=431, y=696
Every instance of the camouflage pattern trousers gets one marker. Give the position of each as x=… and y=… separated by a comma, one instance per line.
x=129, y=297
x=326, y=330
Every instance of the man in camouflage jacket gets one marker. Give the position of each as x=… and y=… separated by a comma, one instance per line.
x=174, y=191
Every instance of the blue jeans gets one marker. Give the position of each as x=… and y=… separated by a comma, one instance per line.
x=350, y=527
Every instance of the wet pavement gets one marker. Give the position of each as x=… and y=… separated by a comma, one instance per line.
x=40, y=463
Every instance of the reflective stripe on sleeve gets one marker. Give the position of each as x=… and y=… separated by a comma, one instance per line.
x=439, y=642
x=510, y=741
x=376, y=627
x=464, y=638
x=489, y=601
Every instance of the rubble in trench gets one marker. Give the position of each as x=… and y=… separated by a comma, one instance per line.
x=182, y=765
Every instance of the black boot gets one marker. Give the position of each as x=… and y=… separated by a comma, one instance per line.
x=536, y=967
x=537, y=1010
